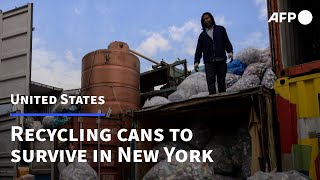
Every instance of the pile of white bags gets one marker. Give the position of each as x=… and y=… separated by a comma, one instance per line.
x=231, y=79
x=245, y=82
x=255, y=69
x=289, y=175
x=269, y=78
x=156, y=100
x=78, y=171
x=253, y=55
x=192, y=85
x=180, y=170
x=258, y=71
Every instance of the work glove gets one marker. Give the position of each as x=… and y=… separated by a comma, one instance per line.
x=196, y=67
x=230, y=56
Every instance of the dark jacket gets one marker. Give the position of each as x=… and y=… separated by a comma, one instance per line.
x=213, y=50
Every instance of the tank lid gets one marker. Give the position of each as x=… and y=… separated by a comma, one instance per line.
x=119, y=46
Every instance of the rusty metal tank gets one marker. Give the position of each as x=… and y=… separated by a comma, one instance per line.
x=113, y=73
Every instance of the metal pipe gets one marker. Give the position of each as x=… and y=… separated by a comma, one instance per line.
x=138, y=54
x=80, y=120
x=99, y=148
x=134, y=146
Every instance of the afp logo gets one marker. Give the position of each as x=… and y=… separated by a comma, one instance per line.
x=304, y=17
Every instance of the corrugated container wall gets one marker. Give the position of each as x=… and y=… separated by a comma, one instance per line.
x=15, y=75
x=296, y=59
x=295, y=47
x=298, y=106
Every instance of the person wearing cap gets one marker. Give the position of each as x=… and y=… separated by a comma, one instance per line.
x=213, y=43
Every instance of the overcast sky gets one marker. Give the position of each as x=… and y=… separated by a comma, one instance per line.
x=66, y=30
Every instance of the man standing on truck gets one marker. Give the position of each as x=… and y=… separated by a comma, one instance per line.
x=213, y=43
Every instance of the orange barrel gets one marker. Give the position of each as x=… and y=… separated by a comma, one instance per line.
x=113, y=73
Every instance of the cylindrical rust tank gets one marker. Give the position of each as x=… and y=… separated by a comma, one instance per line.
x=113, y=73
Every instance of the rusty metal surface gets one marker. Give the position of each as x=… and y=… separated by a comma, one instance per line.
x=285, y=46
x=113, y=73
x=168, y=74
x=108, y=170
x=301, y=69
x=274, y=34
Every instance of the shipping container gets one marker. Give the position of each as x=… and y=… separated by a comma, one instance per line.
x=43, y=168
x=298, y=107
x=296, y=58
x=295, y=47
x=304, y=91
x=224, y=113
x=15, y=72
x=7, y=168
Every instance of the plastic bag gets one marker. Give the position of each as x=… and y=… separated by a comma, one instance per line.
x=231, y=152
x=264, y=55
x=78, y=171
x=221, y=156
x=179, y=170
x=59, y=121
x=241, y=152
x=37, y=125
x=249, y=55
x=169, y=145
x=201, y=134
x=245, y=82
x=30, y=123
x=192, y=85
x=220, y=177
x=48, y=122
x=289, y=175
x=269, y=78
x=59, y=107
x=255, y=69
x=231, y=79
x=72, y=108
x=157, y=100
x=196, y=81
x=236, y=67
x=52, y=122
x=179, y=95
x=201, y=94
x=254, y=55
